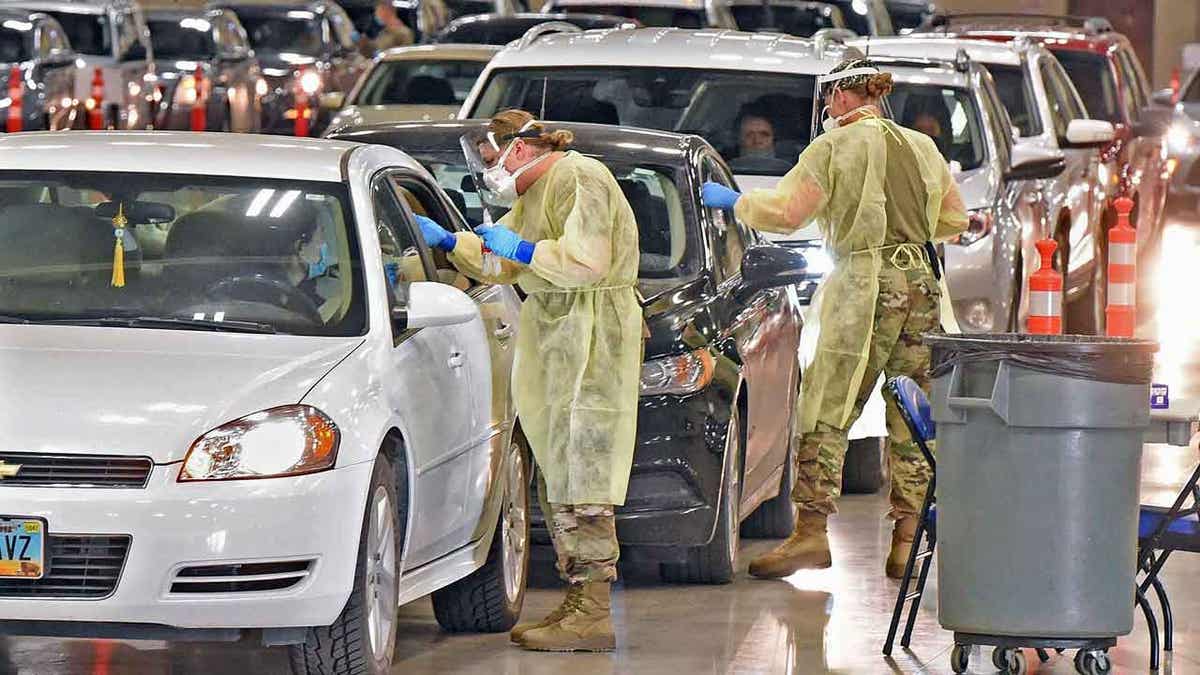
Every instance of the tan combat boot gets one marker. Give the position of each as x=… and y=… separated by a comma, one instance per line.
x=807, y=548
x=903, y=533
x=585, y=627
x=555, y=616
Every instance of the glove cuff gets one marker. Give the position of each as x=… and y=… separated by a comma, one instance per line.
x=448, y=242
x=524, y=254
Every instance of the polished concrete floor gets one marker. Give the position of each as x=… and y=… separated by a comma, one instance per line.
x=832, y=621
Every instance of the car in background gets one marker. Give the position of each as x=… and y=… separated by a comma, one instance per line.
x=909, y=15
x=701, y=82
x=865, y=17
x=499, y=29
x=203, y=58
x=721, y=364
x=1104, y=68
x=308, y=56
x=941, y=92
x=429, y=82
x=273, y=464
x=424, y=17
x=1048, y=116
x=1183, y=142
x=460, y=8
x=801, y=18
x=111, y=40
x=35, y=49
x=652, y=13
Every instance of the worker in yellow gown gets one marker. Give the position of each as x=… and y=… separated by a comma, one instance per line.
x=880, y=194
x=570, y=241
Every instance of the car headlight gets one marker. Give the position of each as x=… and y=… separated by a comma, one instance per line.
x=682, y=374
x=186, y=93
x=261, y=87
x=310, y=82
x=979, y=225
x=1179, y=138
x=285, y=441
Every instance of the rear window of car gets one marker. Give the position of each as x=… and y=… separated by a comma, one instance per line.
x=1016, y=93
x=419, y=82
x=655, y=17
x=15, y=45
x=714, y=104
x=89, y=33
x=187, y=38
x=295, y=32
x=1093, y=78
x=798, y=20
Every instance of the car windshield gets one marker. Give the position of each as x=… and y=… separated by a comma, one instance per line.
x=89, y=33
x=280, y=255
x=1017, y=96
x=719, y=105
x=647, y=15
x=947, y=115
x=411, y=82
x=15, y=45
x=468, y=7
x=186, y=38
x=486, y=32
x=907, y=18
x=857, y=14
x=798, y=20
x=284, y=34
x=1094, y=79
x=669, y=250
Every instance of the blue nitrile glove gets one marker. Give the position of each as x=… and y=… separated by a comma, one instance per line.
x=506, y=243
x=717, y=196
x=435, y=235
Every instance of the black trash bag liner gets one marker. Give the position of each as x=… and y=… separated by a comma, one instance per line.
x=1088, y=357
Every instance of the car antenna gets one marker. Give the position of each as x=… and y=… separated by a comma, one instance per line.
x=545, y=82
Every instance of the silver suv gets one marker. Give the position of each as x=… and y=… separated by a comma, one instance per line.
x=110, y=36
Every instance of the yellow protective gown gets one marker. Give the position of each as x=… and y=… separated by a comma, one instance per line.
x=839, y=181
x=579, y=344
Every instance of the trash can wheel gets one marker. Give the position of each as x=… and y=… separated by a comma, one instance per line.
x=960, y=658
x=1092, y=662
x=1015, y=663
x=999, y=659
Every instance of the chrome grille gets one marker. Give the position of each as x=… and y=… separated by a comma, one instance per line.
x=100, y=471
x=77, y=567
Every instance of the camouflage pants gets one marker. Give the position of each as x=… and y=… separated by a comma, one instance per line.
x=584, y=537
x=906, y=308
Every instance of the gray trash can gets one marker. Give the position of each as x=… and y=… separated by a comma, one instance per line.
x=1039, y=446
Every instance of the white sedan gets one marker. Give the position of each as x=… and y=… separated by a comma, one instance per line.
x=240, y=393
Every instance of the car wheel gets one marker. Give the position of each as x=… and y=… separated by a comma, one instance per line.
x=489, y=600
x=776, y=517
x=716, y=561
x=862, y=470
x=362, y=638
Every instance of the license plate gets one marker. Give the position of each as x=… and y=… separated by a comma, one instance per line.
x=22, y=546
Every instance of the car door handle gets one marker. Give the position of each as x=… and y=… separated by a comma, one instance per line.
x=455, y=361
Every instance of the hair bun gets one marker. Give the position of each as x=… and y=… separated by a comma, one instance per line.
x=879, y=85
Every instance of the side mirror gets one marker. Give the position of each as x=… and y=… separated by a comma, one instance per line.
x=332, y=100
x=1153, y=122
x=770, y=266
x=1089, y=133
x=1030, y=162
x=433, y=304
x=1164, y=97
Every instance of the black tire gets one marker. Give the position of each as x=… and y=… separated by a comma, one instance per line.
x=960, y=658
x=484, y=602
x=862, y=472
x=716, y=561
x=776, y=517
x=344, y=648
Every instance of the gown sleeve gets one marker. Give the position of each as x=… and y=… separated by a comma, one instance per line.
x=582, y=256
x=952, y=218
x=467, y=257
x=801, y=194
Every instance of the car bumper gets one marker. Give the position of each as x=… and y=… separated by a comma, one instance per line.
x=172, y=526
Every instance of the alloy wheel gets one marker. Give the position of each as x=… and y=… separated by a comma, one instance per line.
x=381, y=572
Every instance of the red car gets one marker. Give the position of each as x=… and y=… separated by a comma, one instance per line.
x=1104, y=68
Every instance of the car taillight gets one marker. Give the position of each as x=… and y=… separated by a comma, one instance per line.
x=979, y=225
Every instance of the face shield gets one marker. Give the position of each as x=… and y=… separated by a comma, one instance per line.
x=485, y=156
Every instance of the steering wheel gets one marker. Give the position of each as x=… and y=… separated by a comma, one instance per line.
x=268, y=289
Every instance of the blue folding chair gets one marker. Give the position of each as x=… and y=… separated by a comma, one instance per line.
x=914, y=408
x=1160, y=533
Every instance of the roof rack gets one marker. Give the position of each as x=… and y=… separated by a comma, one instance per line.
x=827, y=37
x=1093, y=25
x=957, y=64
x=542, y=29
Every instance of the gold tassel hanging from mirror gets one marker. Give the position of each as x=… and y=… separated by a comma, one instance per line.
x=119, y=222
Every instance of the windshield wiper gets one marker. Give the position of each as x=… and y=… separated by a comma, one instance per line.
x=167, y=322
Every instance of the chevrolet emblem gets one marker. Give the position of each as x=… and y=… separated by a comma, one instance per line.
x=8, y=470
